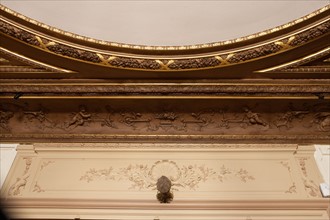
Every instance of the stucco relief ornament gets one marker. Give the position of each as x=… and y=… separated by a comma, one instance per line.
x=20, y=183
x=311, y=188
x=80, y=118
x=248, y=118
x=198, y=119
x=5, y=116
x=142, y=176
x=37, y=188
x=292, y=188
x=286, y=119
x=108, y=121
x=322, y=120
x=133, y=119
x=42, y=118
x=167, y=120
x=93, y=174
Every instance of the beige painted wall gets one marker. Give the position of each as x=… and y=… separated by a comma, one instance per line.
x=236, y=181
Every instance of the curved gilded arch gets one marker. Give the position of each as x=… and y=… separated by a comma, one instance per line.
x=249, y=49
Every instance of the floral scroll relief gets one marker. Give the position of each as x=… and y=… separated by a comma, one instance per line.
x=20, y=183
x=144, y=176
x=93, y=174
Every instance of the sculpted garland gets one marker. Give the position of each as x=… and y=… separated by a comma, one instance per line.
x=143, y=176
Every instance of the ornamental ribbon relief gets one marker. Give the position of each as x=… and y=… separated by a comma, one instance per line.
x=108, y=118
x=143, y=176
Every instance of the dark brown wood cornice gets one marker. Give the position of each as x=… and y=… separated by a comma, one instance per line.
x=317, y=89
x=271, y=87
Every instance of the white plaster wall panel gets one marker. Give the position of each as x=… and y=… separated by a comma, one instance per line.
x=322, y=156
x=7, y=156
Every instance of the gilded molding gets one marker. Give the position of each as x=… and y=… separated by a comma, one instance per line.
x=296, y=65
x=175, y=89
x=146, y=146
x=161, y=63
x=160, y=48
x=156, y=138
x=33, y=63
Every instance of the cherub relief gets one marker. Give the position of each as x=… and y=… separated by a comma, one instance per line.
x=253, y=118
x=79, y=118
x=4, y=119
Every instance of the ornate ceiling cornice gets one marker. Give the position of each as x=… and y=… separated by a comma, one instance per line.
x=272, y=45
x=271, y=87
x=163, y=48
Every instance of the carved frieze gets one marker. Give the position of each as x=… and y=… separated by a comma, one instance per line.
x=248, y=118
x=240, y=119
x=5, y=116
